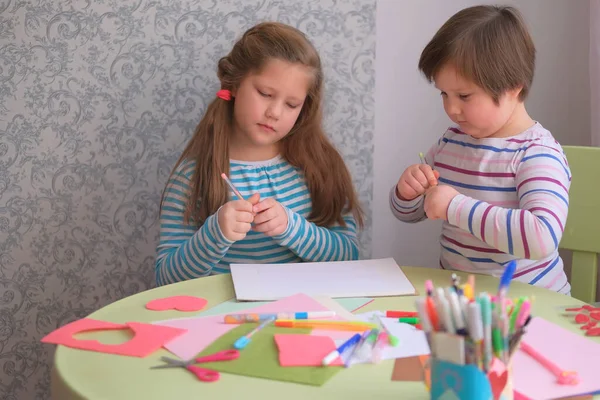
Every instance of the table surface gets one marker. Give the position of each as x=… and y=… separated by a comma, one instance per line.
x=81, y=374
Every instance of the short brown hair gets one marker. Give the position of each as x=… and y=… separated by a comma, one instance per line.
x=488, y=45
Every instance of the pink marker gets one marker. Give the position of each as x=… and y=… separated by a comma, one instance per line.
x=237, y=193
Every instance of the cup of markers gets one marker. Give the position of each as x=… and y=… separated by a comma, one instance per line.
x=472, y=338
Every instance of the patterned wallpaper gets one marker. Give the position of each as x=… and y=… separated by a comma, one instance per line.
x=97, y=99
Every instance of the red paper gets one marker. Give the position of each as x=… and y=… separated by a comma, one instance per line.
x=147, y=337
x=298, y=350
x=179, y=303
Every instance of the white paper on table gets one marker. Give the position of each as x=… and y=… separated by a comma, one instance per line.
x=412, y=341
x=336, y=279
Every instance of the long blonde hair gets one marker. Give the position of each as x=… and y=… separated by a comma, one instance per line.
x=305, y=147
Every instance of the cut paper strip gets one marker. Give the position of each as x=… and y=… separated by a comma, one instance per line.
x=147, y=337
x=298, y=350
x=201, y=331
x=178, y=303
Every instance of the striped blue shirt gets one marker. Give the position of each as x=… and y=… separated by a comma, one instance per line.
x=187, y=251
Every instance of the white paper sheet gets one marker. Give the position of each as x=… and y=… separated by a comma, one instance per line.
x=362, y=278
x=412, y=340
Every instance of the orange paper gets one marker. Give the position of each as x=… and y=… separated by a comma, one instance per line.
x=179, y=303
x=147, y=337
x=298, y=350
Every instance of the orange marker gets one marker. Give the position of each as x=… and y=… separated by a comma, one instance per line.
x=433, y=317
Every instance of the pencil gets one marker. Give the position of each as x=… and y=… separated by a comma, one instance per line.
x=237, y=193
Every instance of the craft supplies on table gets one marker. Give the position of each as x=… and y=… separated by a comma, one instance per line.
x=203, y=374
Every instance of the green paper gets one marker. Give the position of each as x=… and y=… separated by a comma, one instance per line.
x=260, y=359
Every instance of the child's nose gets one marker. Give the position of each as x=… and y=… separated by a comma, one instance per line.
x=274, y=110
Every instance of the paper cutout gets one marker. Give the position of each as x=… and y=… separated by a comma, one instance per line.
x=201, y=331
x=147, y=337
x=304, y=350
x=261, y=360
x=574, y=352
x=581, y=318
x=409, y=369
x=179, y=303
x=498, y=377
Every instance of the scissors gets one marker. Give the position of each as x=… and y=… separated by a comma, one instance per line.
x=203, y=374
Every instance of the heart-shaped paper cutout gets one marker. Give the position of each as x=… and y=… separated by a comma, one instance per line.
x=595, y=315
x=498, y=377
x=179, y=303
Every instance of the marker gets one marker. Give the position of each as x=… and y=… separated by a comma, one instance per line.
x=257, y=317
x=486, y=319
x=422, y=158
x=244, y=340
x=355, y=326
x=357, y=347
x=457, y=314
x=475, y=324
x=431, y=312
x=237, y=193
x=400, y=314
x=515, y=314
x=329, y=358
x=445, y=312
x=393, y=340
x=378, y=347
x=409, y=320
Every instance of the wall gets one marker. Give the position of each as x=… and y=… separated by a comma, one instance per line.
x=409, y=115
x=97, y=100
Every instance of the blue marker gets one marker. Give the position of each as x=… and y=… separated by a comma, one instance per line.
x=244, y=340
x=507, y=276
x=329, y=358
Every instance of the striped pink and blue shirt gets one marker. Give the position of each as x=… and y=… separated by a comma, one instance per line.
x=513, y=204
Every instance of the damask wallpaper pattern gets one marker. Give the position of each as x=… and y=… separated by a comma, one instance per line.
x=97, y=99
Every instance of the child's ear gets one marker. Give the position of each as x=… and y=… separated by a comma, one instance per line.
x=514, y=93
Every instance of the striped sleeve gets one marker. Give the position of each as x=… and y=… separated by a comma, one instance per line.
x=314, y=243
x=412, y=210
x=184, y=251
x=407, y=210
x=535, y=229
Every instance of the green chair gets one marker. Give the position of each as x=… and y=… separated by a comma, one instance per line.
x=582, y=232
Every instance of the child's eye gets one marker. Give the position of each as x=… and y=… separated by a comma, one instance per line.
x=464, y=96
x=263, y=94
x=292, y=106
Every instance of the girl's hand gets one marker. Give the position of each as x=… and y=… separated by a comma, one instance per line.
x=271, y=218
x=437, y=201
x=415, y=180
x=235, y=218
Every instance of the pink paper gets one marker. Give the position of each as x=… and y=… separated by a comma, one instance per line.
x=179, y=303
x=297, y=350
x=568, y=350
x=202, y=331
x=146, y=340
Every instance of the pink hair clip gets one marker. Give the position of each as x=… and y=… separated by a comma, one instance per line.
x=224, y=94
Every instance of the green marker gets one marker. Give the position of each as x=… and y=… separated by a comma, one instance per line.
x=409, y=320
x=393, y=340
x=422, y=157
x=515, y=313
